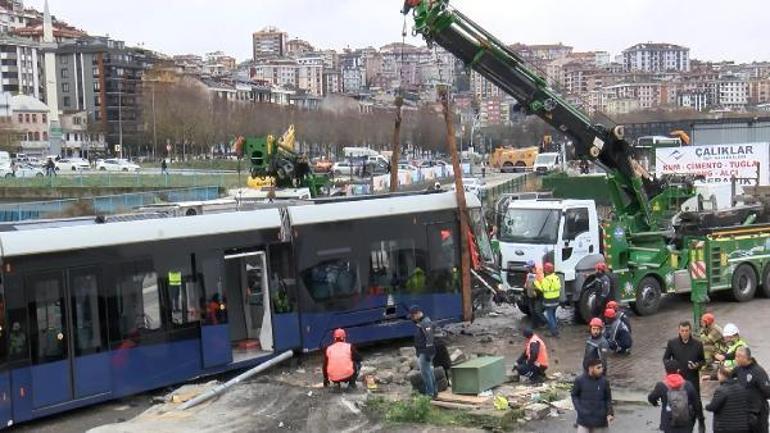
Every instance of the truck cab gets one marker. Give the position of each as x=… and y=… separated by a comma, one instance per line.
x=563, y=232
x=546, y=163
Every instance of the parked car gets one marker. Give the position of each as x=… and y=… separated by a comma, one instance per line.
x=115, y=164
x=432, y=163
x=22, y=170
x=74, y=164
x=406, y=167
x=342, y=168
x=322, y=165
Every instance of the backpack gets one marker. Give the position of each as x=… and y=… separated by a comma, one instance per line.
x=679, y=405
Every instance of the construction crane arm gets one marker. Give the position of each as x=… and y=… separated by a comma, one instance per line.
x=605, y=144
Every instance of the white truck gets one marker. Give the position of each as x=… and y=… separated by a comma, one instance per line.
x=563, y=232
x=546, y=162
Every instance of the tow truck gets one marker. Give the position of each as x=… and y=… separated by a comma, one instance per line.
x=648, y=242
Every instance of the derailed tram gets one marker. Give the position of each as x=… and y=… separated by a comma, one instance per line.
x=91, y=312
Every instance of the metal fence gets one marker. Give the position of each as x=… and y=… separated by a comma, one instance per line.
x=108, y=204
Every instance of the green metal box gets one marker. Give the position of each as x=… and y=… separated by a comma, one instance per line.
x=478, y=375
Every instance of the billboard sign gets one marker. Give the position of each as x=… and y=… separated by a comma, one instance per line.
x=717, y=163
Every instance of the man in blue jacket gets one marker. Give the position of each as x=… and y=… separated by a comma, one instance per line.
x=424, y=343
x=592, y=398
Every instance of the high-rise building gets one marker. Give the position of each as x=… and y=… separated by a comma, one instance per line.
x=651, y=57
x=21, y=67
x=269, y=42
x=297, y=47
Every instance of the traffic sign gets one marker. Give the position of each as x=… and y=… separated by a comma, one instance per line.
x=117, y=148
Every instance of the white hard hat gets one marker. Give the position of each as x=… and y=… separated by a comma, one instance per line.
x=730, y=330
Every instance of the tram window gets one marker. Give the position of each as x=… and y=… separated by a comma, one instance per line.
x=186, y=299
x=444, y=270
x=332, y=279
x=396, y=266
x=282, y=283
x=214, y=300
x=138, y=300
x=47, y=312
x=88, y=326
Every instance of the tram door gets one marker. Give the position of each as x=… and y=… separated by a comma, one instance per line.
x=67, y=337
x=249, y=312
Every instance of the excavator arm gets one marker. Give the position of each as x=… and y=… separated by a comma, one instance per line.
x=605, y=144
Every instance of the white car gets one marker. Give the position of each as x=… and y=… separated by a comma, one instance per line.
x=115, y=164
x=342, y=168
x=74, y=164
x=407, y=167
x=22, y=170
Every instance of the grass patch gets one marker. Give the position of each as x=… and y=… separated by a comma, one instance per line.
x=419, y=410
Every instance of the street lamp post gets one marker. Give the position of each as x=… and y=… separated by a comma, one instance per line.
x=120, y=117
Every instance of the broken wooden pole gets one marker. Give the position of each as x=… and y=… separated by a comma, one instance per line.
x=465, y=256
x=395, y=156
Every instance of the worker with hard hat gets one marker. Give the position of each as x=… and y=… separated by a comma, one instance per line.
x=620, y=313
x=710, y=335
x=617, y=333
x=597, y=346
x=550, y=288
x=342, y=361
x=534, y=300
x=533, y=361
x=732, y=341
x=602, y=286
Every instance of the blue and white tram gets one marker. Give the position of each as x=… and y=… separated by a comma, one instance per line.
x=95, y=312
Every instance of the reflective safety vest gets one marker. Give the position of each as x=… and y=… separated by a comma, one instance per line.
x=340, y=362
x=550, y=286
x=174, y=278
x=542, y=355
x=740, y=342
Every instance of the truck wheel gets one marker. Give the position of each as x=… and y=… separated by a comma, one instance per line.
x=524, y=308
x=744, y=283
x=766, y=282
x=520, y=167
x=585, y=305
x=647, y=297
x=507, y=167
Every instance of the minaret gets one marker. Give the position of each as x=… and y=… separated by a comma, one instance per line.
x=51, y=84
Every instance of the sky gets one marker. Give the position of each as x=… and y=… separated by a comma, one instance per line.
x=714, y=30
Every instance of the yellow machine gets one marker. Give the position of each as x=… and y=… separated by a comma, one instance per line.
x=509, y=159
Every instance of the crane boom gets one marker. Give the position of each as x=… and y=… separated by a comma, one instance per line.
x=605, y=144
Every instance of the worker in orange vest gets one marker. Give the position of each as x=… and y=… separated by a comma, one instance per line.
x=533, y=362
x=342, y=361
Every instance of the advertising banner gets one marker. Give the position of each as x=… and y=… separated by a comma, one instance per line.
x=717, y=163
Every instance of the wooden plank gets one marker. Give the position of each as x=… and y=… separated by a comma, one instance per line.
x=448, y=405
x=450, y=397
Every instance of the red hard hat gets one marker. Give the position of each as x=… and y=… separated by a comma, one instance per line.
x=612, y=304
x=340, y=335
x=548, y=267
x=707, y=318
x=596, y=322
x=609, y=313
x=601, y=267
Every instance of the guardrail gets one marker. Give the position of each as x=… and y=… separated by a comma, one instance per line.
x=139, y=180
x=108, y=204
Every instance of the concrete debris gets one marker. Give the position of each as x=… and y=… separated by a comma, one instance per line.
x=404, y=369
x=457, y=357
x=385, y=377
x=366, y=370
x=512, y=377
x=486, y=339
x=563, y=405
x=536, y=411
x=409, y=352
x=300, y=371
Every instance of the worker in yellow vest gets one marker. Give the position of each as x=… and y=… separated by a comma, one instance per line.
x=732, y=341
x=550, y=287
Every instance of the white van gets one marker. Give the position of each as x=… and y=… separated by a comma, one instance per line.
x=5, y=159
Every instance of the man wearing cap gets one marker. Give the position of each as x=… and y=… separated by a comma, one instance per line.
x=617, y=334
x=603, y=289
x=732, y=341
x=424, y=343
x=711, y=337
x=533, y=362
x=550, y=287
x=342, y=362
x=596, y=345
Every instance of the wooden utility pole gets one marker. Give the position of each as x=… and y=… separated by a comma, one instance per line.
x=462, y=207
x=395, y=156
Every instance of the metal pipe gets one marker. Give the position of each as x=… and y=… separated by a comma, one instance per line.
x=219, y=389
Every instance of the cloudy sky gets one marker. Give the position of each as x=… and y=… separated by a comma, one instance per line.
x=714, y=30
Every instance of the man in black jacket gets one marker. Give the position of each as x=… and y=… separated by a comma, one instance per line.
x=687, y=351
x=424, y=343
x=660, y=394
x=754, y=379
x=592, y=398
x=729, y=404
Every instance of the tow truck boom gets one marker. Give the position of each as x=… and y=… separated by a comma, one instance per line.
x=604, y=143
